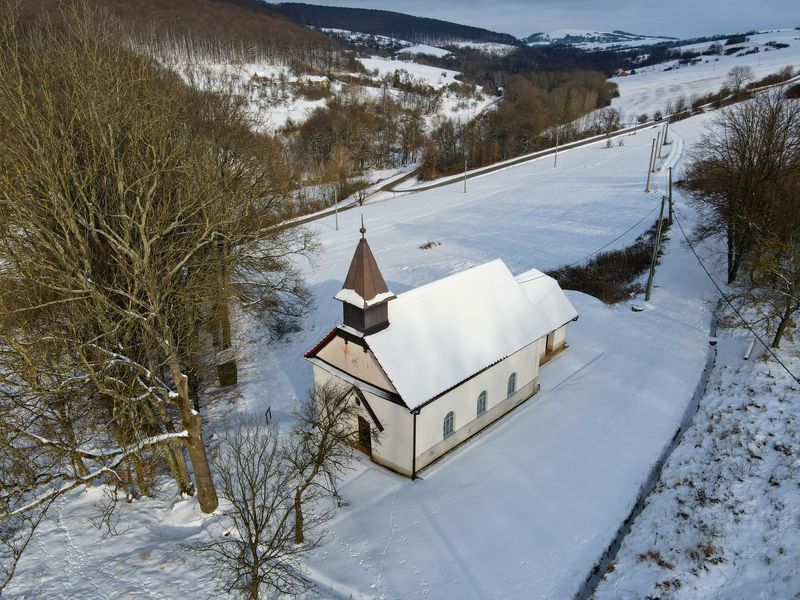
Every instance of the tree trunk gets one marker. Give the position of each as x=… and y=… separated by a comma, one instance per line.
x=77, y=462
x=206, y=493
x=733, y=269
x=776, y=341
x=141, y=476
x=194, y=388
x=195, y=445
x=173, y=451
x=729, y=240
x=298, y=517
x=253, y=587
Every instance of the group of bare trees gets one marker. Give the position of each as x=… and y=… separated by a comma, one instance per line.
x=745, y=178
x=532, y=106
x=353, y=133
x=134, y=212
x=267, y=479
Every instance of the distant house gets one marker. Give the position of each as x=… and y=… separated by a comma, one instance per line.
x=433, y=366
x=622, y=73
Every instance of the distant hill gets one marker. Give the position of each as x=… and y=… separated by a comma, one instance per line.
x=586, y=38
x=419, y=30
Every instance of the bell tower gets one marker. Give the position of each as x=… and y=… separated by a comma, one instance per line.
x=364, y=295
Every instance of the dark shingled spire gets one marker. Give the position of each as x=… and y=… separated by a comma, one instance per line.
x=365, y=279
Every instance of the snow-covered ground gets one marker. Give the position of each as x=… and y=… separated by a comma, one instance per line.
x=434, y=76
x=593, y=40
x=451, y=105
x=526, y=508
x=424, y=49
x=406, y=47
x=495, y=48
x=273, y=99
x=724, y=520
x=652, y=88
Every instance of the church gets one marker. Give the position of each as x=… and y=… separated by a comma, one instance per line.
x=431, y=367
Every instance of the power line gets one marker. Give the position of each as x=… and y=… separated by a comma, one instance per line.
x=735, y=310
x=603, y=247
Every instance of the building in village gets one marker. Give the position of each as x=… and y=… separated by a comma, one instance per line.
x=434, y=365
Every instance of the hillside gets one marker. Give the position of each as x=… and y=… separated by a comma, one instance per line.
x=594, y=40
x=243, y=23
x=391, y=24
x=694, y=70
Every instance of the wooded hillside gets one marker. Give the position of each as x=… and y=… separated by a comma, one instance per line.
x=244, y=27
x=391, y=24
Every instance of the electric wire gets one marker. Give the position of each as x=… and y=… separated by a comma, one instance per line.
x=600, y=249
x=735, y=310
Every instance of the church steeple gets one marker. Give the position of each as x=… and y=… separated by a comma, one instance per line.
x=364, y=295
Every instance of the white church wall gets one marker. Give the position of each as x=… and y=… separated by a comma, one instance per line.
x=394, y=444
x=463, y=401
x=559, y=337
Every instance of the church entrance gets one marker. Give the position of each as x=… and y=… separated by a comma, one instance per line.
x=364, y=436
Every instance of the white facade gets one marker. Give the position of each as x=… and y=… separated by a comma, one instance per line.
x=446, y=346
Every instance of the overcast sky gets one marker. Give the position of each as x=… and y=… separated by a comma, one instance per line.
x=679, y=18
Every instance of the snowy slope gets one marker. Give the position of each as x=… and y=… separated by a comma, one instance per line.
x=593, y=40
x=424, y=49
x=652, y=88
x=723, y=522
x=569, y=464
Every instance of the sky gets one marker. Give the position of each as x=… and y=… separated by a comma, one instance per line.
x=678, y=18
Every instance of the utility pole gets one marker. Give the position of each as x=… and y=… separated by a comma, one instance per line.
x=555, y=160
x=650, y=165
x=655, y=252
x=336, y=208
x=465, y=174
x=658, y=151
x=666, y=133
x=670, y=195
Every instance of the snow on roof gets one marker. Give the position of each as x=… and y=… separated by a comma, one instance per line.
x=551, y=304
x=354, y=298
x=443, y=333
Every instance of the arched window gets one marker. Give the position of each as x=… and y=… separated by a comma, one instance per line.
x=512, y=384
x=481, y=403
x=449, y=424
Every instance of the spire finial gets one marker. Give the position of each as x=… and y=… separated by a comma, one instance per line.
x=363, y=229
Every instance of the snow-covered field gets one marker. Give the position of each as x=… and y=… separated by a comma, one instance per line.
x=451, y=105
x=434, y=76
x=525, y=509
x=495, y=48
x=273, y=101
x=424, y=49
x=651, y=89
x=593, y=40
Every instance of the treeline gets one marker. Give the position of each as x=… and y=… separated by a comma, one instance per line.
x=391, y=24
x=213, y=31
x=356, y=131
x=533, y=105
x=744, y=176
x=135, y=212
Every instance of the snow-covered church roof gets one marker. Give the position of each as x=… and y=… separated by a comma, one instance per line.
x=447, y=331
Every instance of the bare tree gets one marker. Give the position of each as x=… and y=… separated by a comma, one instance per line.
x=738, y=76
x=255, y=548
x=739, y=169
x=321, y=448
x=775, y=282
x=278, y=491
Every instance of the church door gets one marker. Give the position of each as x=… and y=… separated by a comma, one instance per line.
x=364, y=436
